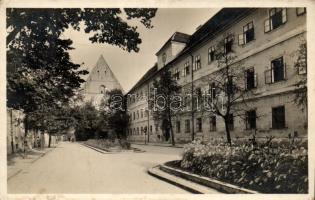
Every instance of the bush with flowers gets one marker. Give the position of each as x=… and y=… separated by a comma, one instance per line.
x=267, y=167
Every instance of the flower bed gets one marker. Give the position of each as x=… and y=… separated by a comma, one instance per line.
x=273, y=167
x=109, y=145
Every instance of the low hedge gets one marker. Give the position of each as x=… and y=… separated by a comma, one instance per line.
x=281, y=168
x=109, y=144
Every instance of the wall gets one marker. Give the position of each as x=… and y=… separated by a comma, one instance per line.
x=16, y=133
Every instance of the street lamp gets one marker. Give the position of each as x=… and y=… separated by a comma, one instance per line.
x=145, y=135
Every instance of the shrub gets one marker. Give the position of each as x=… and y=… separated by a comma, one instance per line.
x=282, y=168
x=107, y=143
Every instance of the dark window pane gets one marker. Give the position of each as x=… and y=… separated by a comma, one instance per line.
x=231, y=122
x=278, y=69
x=249, y=35
x=251, y=119
x=276, y=19
x=278, y=117
x=250, y=79
x=213, y=123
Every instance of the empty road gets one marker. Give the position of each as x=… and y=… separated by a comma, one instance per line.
x=74, y=168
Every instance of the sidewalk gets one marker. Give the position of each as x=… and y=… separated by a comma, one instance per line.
x=16, y=163
x=160, y=144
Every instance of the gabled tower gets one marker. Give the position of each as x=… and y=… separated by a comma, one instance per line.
x=100, y=80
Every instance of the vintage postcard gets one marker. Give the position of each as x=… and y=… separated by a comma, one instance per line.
x=148, y=100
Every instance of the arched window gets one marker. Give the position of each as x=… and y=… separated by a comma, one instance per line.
x=102, y=89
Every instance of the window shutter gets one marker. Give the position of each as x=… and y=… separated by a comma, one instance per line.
x=241, y=39
x=272, y=73
x=183, y=72
x=267, y=25
x=246, y=120
x=284, y=71
x=255, y=80
x=268, y=75
x=245, y=79
x=302, y=68
x=284, y=15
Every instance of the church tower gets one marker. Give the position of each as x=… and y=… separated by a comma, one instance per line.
x=100, y=80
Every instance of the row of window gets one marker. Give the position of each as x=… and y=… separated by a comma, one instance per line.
x=278, y=122
x=135, y=97
x=138, y=114
x=142, y=130
x=277, y=17
x=274, y=73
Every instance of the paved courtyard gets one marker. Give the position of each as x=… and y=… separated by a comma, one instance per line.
x=74, y=168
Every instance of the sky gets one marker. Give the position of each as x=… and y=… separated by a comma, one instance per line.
x=130, y=67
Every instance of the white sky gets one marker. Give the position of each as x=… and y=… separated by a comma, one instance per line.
x=130, y=67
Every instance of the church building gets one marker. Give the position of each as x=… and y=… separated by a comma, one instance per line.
x=100, y=80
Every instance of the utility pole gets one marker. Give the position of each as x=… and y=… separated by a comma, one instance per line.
x=148, y=111
x=145, y=135
x=192, y=99
x=11, y=125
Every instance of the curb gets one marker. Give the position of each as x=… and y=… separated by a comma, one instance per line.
x=158, y=145
x=205, y=181
x=103, y=151
x=95, y=149
x=16, y=173
x=33, y=161
x=180, y=182
x=43, y=154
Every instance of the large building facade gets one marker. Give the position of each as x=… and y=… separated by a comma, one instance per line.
x=265, y=42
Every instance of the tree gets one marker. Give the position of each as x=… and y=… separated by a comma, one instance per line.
x=227, y=94
x=300, y=97
x=115, y=107
x=164, y=104
x=38, y=63
x=87, y=118
x=51, y=119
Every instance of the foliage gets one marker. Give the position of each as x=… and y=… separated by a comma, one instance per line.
x=263, y=168
x=108, y=144
x=114, y=110
x=39, y=68
x=300, y=98
x=228, y=95
x=87, y=119
x=163, y=111
x=108, y=121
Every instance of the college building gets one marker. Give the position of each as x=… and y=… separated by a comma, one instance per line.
x=265, y=42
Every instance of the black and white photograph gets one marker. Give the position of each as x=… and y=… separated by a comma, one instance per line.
x=151, y=100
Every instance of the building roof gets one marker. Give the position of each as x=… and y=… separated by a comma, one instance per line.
x=101, y=63
x=215, y=24
x=177, y=37
x=212, y=27
x=145, y=77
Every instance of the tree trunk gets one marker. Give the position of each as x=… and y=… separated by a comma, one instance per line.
x=49, y=141
x=25, y=134
x=171, y=127
x=35, y=139
x=42, y=140
x=227, y=130
x=11, y=127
